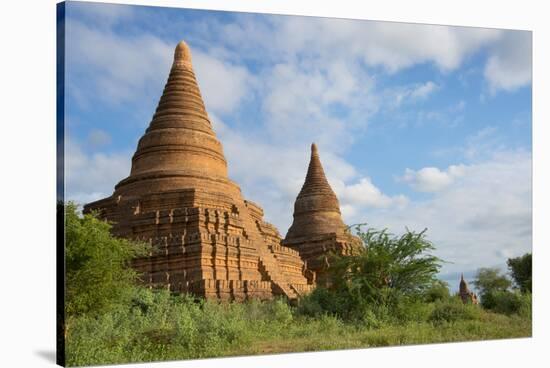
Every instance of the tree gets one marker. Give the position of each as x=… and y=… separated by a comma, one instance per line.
x=490, y=280
x=97, y=269
x=388, y=270
x=491, y=285
x=521, y=271
x=439, y=290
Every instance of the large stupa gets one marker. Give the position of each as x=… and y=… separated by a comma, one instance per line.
x=318, y=228
x=206, y=238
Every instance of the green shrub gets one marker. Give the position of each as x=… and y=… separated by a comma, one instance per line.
x=438, y=291
x=369, y=287
x=491, y=280
x=415, y=310
x=454, y=310
x=98, y=275
x=508, y=302
x=324, y=301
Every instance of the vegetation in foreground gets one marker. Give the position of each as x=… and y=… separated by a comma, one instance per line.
x=388, y=295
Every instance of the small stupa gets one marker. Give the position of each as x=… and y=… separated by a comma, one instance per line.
x=467, y=296
x=206, y=238
x=317, y=228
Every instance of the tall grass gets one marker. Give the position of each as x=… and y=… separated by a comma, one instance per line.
x=160, y=326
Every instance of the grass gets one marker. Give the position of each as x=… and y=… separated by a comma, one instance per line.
x=162, y=327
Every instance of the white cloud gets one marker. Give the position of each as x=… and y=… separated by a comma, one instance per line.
x=90, y=177
x=104, y=15
x=394, y=46
x=134, y=68
x=364, y=193
x=306, y=101
x=483, y=143
x=314, y=88
x=509, y=66
x=481, y=219
x=397, y=96
x=431, y=179
x=275, y=183
x=223, y=84
x=424, y=90
x=119, y=69
x=98, y=137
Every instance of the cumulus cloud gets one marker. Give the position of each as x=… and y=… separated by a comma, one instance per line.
x=485, y=214
x=89, y=177
x=275, y=182
x=117, y=67
x=129, y=69
x=324, y=103
x=509, y=66
x=393, y=46
x=364, y=193
x=431, y=179
x=223, y=84
x=312, y=86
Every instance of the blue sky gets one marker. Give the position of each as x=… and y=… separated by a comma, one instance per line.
x=417, y=125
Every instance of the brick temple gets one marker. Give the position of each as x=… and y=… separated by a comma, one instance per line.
x=207, y=239
x=318, y=228
x=467, y=296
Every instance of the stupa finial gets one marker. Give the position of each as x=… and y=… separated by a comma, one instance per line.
x=314, y=149
x=182, y=54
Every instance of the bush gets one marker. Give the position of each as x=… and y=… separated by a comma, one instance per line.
x=98, y=276
x=454, y=310
x=508, y=302
x=416, y=310
x=439, y=291
x=491, y=280
x=322, y=301
x=368, y=287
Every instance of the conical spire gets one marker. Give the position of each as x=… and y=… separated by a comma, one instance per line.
x=179, y=144
x=316, y=182
x=463, y=287
x=316, y=210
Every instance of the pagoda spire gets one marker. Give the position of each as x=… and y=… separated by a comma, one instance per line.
x=316, y=181
x=316, y=210
x=179, y=148
x=463, y=287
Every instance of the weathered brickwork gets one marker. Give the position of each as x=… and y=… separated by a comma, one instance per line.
x=206, y=238
x=318, y=228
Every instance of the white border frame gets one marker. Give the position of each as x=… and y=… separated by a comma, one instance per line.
x=27, y=315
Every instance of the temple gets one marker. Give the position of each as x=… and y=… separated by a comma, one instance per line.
x=317, y=228
x=207, y=239
x=467, y=296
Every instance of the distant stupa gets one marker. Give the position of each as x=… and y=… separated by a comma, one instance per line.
x=318, y=228
x=207, y=239
x=464, y=292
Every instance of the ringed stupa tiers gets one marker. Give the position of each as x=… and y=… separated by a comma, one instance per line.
x=206, y=238
x=318, y=228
